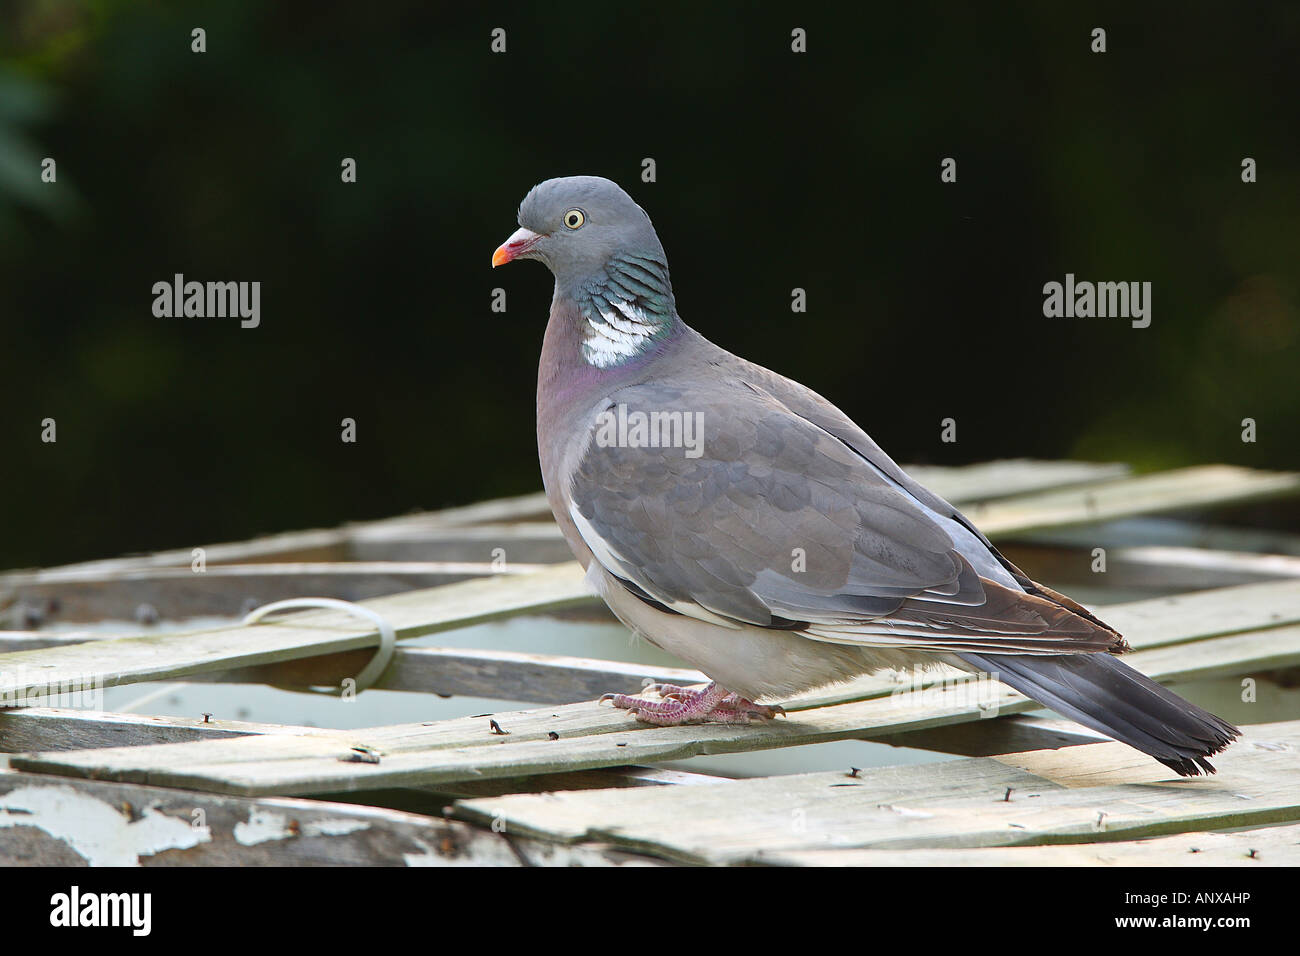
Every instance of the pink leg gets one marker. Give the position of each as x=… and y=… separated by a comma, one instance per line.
x=744, y=705
x=732, y=702
x=681, y=705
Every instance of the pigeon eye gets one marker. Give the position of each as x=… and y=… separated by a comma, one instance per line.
x=574, y=218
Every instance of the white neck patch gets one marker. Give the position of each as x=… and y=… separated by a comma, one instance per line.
x=621, y=332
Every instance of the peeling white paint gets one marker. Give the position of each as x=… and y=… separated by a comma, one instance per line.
x=333, y=827
x=262, y=826
x=477, y=854
x=98, y=831
x=265, y=825
x=425, y=858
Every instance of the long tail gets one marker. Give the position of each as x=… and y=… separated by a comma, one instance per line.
x=1102, y=692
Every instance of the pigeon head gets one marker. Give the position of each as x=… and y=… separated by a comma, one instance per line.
x=576, y=225
x=611, y=274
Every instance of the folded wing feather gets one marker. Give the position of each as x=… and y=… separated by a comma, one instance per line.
x=779, y=523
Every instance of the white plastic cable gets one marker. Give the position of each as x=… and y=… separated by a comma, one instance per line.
x=387, y=636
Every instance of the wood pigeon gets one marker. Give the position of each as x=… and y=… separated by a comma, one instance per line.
x=741, y=522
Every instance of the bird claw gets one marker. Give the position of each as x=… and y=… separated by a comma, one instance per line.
x=679, y=705
x=747, y=707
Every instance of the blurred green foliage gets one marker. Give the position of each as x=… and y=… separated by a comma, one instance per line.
x=775, y=170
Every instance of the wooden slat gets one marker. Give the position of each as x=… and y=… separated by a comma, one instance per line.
x=1249, y=607
x=1098, y=792
x=62, y=729
x=987, y=738
x=1158, y=570
x=587, y=736
x=313, y=545
x=229, y=590
x=449, y=671
x=46, y=822
x=1167, y=531
x=1263, y=846
x=54, y=728
x=990, y=480
x=1199, y=487
x=11, y=641
x=127, y=660
x=602, y=779
x=529, y=507
x=1214, y=564
x=536, y=542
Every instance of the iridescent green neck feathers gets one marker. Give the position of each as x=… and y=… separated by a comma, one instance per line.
x=628, y=307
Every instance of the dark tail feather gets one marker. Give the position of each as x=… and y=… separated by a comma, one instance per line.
x=1102, y=692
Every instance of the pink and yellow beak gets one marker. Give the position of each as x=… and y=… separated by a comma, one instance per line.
x=514, y=247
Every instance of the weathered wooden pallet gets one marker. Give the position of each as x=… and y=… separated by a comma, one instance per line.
x=1231, y=631
x=50, y=822
x=422, y=612
x=556, y=782
x=1088, y=794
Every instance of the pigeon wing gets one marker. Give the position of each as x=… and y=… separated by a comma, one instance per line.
x=724, y=504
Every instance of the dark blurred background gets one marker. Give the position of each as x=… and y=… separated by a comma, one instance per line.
x=774, y=171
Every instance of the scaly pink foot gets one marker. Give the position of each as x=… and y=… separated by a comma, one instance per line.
x=681, y=705
x=732, y=702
